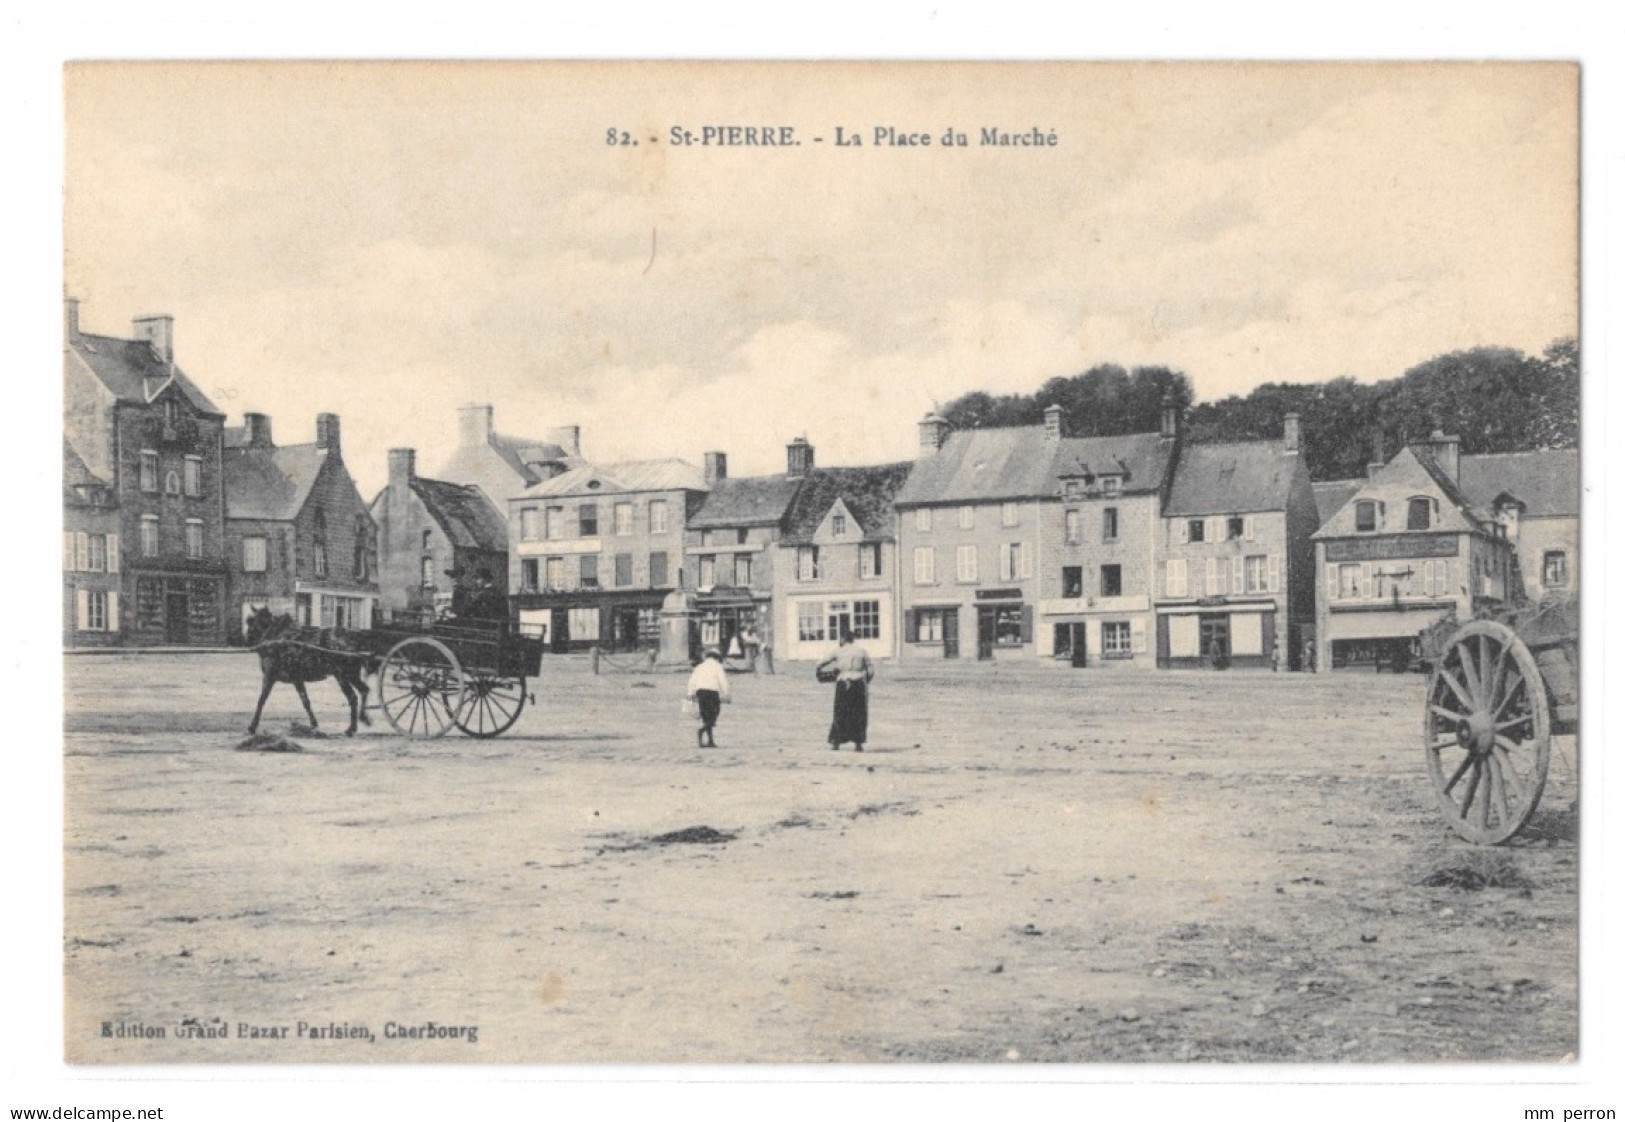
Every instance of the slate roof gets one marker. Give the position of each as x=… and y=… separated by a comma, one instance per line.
x=758, y=500
x=520, y=452
x=868, y=493
x=124, y=365
x=468, y=518
x=1239, y=477
x=76, y=474
x=983, y=465
x=1547, y=482
x=635, y=475
x=1332, y=495
x=270, y=483
x=1143, y=458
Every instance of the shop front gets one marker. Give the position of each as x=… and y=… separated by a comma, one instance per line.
x=720, y=614
x=1218, y=633
x=1081, y=632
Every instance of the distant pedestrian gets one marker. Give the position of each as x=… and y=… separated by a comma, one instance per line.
x=853, y=672
x=753, y=645
x=708, y=688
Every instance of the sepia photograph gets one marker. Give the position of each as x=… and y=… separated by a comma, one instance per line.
x=1056, y=564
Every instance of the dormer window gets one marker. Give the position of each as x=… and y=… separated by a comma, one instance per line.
x=1365, y=517
x=1419, y=513
x=1111, y=485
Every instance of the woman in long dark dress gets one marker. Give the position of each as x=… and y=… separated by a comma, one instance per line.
x=854, y=671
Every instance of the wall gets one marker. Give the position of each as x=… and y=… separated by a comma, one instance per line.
x=987, y=534
x=1133, y=550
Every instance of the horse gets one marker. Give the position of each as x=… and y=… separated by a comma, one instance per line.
x=296, y=655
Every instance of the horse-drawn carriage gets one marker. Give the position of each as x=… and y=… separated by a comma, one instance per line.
x=433, y=675
x=1501, y=687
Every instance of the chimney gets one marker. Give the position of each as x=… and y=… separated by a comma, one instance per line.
x=716, y=467
x=403, y=465
x=799, y=455
x=1053, y=416
x=258, y=427
x=70, y=319
x=1289, y=432
x=159, y=333
x=327, y=433
x=474, y=424
x=1446, y=452
x=933, y=434
x=1170, y=418
x=1377, y=457
x=567, y=437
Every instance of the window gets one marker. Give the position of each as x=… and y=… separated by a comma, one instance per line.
x=1072, y=582
x=530, y=524
x=623, y=520
x=1348, y=582
x=708, y=570
x=1419, y=514
x=742, y=567
x=1007, y=629
x=1111, y=485
x=555, y=523
x=318, y=556
x=1074, y=526
x=194, y=475
x=254, y=555
x=172, y=484
x=583, y=623
x=1111, y=580
x=530, y=574
x=1196, y=529
x=555, y=573
x=810, y=622
x=365, y=545
x=149, y=471
x=1015, y=562
x=172, y=411
x=965, y=563
x=967, y=517
x=1554, y=569
x=866, y=619
x=657, y=570
x=925, y=565
x=928, y=624
x=1114, y=640
x=1176, y=578
x=837, y=525
x=807, y=562
x=95, y=553
x=1234, y=528
x=1365, y=517
x=425, y=541
x=869, y=560
x=922, y=520
x=1256, y=570
x=1010, y=514
x=94, y=611
x=589, y=520
x=426, y=573
x=623, y=569
x=589, y=573
x=194, y=538
x=657, y=516
x=741, y=536
x=1108, y=524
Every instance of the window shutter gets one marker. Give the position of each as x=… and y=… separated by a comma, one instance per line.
x=81, y=599
x=112, y=611
x=81, y=551
x=1247, y=527
x=1136, y=630
x=67, y=551
x=1365, y=579
x=1004, y=562
x=1026, y=623
x=1182, y=532
x=1237, y=576
x=112, y=553
x=1211, y=588
x=1275, y=572
x=1215, y=530
x=1026, y=562
x=1331, y=582
x=911, y=626
x=1446, y=587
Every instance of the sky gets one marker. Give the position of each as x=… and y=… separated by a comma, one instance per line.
x=391, y=241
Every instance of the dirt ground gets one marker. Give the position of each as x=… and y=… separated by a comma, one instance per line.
x=1029, y=863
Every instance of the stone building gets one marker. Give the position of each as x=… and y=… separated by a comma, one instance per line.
x=429, y=529
x=501, y=465
x=594, y=551
x=299, y=539
x=91, y=581
x=140, y=425
x=1535, y=498
x=1236, y=579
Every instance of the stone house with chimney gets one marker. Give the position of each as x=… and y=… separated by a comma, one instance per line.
x=1235, y=581
x=728, y=546
x=91, y=581
x=594, y=550
x=428, y=529
x=138, y=424
x=1409, y=548
x=501, y=465
x=299, y=538
x=836, y=563
x=1535, y=499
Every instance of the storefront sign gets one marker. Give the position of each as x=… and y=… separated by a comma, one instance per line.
x=998, y=594
x=1393, y=548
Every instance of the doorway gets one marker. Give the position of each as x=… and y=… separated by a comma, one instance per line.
x=950, y=633
x=1215, y=639
x=986, y=626
x=176, y=610
x=1072, y=643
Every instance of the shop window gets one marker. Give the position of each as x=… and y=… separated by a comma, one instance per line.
x=1115, y=641
x=1007, y=629
x=810, y=622
x=928, y=625
x=866, y=619
x=584, y=624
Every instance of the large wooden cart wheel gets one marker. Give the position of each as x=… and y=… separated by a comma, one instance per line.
x=491, y=705
x=421, y=688
x=1487, y=732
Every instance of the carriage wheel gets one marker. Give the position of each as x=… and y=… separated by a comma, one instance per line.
x=1487, y=732
x=421, y=688
x=491, y=705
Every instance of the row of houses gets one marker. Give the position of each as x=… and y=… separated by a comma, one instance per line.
x=1014, y=543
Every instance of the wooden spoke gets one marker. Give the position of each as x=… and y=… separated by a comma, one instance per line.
x=1456, y=688
x=1521, y=687
x=421, y=687
x=1469, y=672
x=1465, y=764
x=491, y=706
